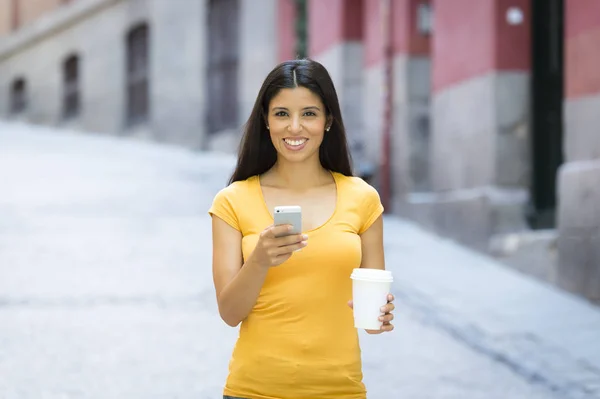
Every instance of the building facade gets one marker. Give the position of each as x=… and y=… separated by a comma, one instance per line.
x=492, y=106
x=173, y=71
x=475, y=118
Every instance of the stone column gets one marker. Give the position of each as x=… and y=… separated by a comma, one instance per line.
x=411, y=97
x=286, y=30
x=335, y=40
x=258, y=49
x=373, y=81
x=579, y=177
x=480, y=160
x=177, y=94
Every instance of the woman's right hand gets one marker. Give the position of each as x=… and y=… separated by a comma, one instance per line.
x=272, y=250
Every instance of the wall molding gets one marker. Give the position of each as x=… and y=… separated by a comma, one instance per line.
x=50, y=24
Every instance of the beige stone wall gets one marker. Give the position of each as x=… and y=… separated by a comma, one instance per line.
x=28, y=12
x=5, y=17
x=31, y=10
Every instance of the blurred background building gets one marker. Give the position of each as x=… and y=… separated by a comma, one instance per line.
x=476, y=118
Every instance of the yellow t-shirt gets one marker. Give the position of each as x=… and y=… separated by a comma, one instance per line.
x=299, y=340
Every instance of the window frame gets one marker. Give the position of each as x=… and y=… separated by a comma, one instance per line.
x=137, y=71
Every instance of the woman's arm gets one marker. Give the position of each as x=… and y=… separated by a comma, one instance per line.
x=237, y=286
x=372, y=246
x=373, y=258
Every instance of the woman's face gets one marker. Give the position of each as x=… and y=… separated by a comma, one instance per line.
x=297, y=122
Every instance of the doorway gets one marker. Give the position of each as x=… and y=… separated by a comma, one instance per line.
x=547, y=69
x=223, y=54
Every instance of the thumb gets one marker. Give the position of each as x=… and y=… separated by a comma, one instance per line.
x=351, y=304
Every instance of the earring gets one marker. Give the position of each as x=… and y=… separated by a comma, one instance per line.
x=328, y=129
x=268, y=127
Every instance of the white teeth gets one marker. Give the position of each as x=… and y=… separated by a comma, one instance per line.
x=295, y=142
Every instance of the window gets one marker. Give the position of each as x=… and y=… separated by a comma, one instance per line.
x=223, y=54
x=71, y=98
x=137, y=74
x=424, y=19
x=18, y=96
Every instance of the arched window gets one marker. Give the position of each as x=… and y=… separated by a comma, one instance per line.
x=223, y=61
x=71, y=96
x=18, y=96
x=138, y=71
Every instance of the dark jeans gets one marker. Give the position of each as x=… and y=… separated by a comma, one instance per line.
x=231, y=397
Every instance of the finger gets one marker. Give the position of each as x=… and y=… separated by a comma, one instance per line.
x=290, y=240
x=388, y=308
x=351, y=304
x=279, y=230
x=387, y=327
x=287, y=249
x=387, y=318
x=390, y=298
x=267, y=232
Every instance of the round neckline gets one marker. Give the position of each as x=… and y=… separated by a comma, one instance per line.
x=322, y=226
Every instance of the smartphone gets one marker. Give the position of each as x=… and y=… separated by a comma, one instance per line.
x=291, y=214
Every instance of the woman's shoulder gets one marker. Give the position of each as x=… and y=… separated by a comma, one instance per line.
x=355, y=184
x=230, y=201
x=239, y=186
x=361, y=200
x=235, y=192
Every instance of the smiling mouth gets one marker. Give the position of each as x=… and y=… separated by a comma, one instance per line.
x=295, y=142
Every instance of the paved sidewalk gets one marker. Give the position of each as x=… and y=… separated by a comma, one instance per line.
x=106, y=289
x=543, y=334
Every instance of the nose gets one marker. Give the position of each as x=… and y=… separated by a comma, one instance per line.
x=295, y=126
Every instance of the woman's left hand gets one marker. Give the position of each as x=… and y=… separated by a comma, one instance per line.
x=387, y=316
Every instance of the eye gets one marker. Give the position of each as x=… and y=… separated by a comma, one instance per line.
x=310, y=113
x=281, y=113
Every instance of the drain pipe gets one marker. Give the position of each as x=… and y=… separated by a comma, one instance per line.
x=388, y=89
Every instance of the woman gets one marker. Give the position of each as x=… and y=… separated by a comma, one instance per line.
x=297, y=338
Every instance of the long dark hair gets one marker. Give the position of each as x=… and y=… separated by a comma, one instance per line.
x=257, y=153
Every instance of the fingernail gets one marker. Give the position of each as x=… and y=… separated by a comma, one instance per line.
x=382, y=309
x=304, y=237
x=381, y=319
x=304, y=243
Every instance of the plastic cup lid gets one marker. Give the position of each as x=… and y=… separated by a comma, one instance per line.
x=372, y=275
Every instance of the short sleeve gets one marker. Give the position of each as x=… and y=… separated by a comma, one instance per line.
x=371, y=207
x=223, y=207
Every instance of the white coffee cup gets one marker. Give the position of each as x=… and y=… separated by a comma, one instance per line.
x=370, y=288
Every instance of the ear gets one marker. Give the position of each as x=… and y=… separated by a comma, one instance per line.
x=328, y=123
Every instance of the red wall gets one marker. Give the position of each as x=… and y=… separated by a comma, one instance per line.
x=513, y=42
x=353, y=19
x=582, y=51
x=332, y=22
x=373, y=36
x=472, y=38
x=325, y=25
x=406, y=39
x=286, y=13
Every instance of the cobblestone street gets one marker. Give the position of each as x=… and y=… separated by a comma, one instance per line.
x=106, y=289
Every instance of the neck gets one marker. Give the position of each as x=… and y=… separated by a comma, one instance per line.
x=301, y=175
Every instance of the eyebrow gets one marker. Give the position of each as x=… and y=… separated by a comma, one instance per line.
x=304, y=109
